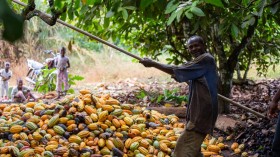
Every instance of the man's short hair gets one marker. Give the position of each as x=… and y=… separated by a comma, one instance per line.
x=7, y=63
x=196, y=38
x=19, y=80
x=63, y=48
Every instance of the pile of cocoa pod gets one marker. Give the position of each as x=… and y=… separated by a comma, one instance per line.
x=87, y=125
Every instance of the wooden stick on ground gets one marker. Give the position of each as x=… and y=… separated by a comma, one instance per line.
x=136, y=57
x=241, y=106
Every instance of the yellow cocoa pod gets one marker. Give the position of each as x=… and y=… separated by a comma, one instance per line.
x=75, y=139
x=143, y=150
x=109, y=144
x=89, y=109
x=83, y=134
x=93, y=126
x=127, y=143
x=94, y=117
x=116, y=123
x=128, y=121
x=144, y=143
x=51, y=147
x=108, y=108
x=84, y=91
x=221, y=146
x=208, y=153
x=234, y=146
x=163, y=147
x=213, y=148
x=101, y=143
x=16, y=129
x=102, y=116
x=63, y=120
x=237, y=151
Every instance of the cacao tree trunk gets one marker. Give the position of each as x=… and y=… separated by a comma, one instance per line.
x=224, y=88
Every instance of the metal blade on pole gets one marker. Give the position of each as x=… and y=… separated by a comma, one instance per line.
x=138, y=58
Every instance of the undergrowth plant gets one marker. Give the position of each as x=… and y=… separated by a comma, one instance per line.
x=168, y=96
x=47, y=81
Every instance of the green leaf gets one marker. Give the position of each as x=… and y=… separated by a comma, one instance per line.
x=90, y=2
x=261, y=6
x=197, y=11
x=71, y=91
x=217, y=3
x=130, y=7
x=234, y=30
x=58, y=4
x=124, y=14
x=179, y=13
x=110, y=14
x=171, y=7
x=245, y=24
x=106, y=22
x=274, y=8
x=142, y=94
x=77, y=77
x=71, y=14
x=145, y=3
x=77, y=4
x=196, y=26
x=83, y=10
x=171, y=18
x=245, y=2
x=76, y=13
x=189, y=15
x=97, y=2
x=252, y=21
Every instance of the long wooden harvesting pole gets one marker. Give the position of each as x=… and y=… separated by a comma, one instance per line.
x=137, y=57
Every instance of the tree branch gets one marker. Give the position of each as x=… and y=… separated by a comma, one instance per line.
x=29, y=8
x=233, y=58
x=30, y=12
x=250, y=51
x=218, y=46
x=169, y=32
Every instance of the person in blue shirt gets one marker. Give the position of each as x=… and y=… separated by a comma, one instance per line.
x=202, y=108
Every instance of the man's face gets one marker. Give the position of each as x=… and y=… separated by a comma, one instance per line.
x=196, y=48
x=7, y=66
x=62, y=52
x=20, y=83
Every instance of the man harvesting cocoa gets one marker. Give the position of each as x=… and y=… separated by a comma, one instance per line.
x=202, y=109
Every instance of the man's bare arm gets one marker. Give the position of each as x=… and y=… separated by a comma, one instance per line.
x=68, y=64
x=163, y=67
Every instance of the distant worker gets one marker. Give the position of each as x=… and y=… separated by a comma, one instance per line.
x=62, y=75
x=6, y=75
x=21, y=94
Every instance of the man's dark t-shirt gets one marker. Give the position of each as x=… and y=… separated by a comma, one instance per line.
x=202, y=109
